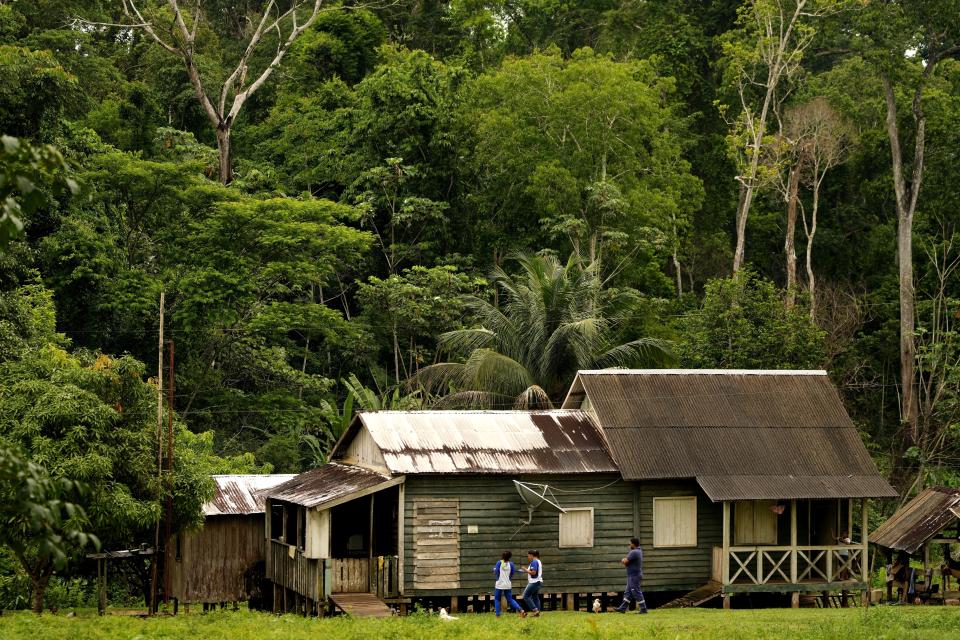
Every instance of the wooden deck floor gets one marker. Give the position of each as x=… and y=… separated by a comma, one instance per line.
x=361, y=605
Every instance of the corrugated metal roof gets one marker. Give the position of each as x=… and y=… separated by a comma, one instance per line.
x=507, y=442
x=241, y=494
x=780, y=487
x=325, y=484
x=919, y=520
x=744, y=433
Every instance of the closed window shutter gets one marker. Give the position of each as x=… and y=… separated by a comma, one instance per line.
x=675, y=522
x=576, y=528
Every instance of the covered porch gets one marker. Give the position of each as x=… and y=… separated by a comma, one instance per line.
x=334, y=530
x=793, y=546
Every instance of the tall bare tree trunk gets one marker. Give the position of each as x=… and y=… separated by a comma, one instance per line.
x=811, y=280
x=789, y=246
x=906, y=201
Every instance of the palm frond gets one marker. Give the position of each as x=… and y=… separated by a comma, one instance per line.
x=533, y=397
x=640, y=352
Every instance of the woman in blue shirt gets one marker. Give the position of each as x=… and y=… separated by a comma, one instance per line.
x=531, y=595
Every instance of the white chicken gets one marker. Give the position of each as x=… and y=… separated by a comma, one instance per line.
x=597, y=607
x=446, y=616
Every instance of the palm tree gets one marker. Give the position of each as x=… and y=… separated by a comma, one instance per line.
x=552, y=319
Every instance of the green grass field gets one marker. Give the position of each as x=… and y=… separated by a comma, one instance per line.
x=895, y=623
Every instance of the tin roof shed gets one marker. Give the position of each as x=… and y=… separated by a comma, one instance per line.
x=920, y=520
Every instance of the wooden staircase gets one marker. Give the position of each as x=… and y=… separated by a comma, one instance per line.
x=697, y=597
x=361, y=605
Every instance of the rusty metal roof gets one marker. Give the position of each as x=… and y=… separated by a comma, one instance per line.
x=316, y=487
x=241, y=494
x=741, y=434
x=502, y=442
x=919, y=520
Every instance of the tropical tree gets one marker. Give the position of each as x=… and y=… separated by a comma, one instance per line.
x=744, y=324
x=544, y=324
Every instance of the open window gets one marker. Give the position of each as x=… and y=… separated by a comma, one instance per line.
x=675, y=522
x=276, y=522
x=576, y=528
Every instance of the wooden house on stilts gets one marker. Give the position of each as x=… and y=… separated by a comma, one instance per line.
x=735, y=482
x=757, y=481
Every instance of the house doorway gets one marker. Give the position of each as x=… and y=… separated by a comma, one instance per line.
x=364, y=543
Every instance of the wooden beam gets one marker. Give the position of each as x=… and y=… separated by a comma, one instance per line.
x=864, y=543
x=793, y=545
x=726, y=548
x=401, y=534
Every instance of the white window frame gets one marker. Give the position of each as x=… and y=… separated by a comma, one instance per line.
x=561, y=543
x=687, y=499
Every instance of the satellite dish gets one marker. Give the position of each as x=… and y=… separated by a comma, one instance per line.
x=536, y=496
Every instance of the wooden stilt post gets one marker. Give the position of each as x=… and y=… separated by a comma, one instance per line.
x=101, y=586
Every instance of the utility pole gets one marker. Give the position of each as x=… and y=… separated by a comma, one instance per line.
x=168, y=524
x=156, y=533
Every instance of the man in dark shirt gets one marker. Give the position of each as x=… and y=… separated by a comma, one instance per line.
x=634, y=564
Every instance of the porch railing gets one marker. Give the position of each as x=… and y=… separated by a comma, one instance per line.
x=385, y=577
x=791, y=565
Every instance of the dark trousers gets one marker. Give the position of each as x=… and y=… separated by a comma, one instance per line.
x=531, y=596
x=508, y=594
x=633, y=592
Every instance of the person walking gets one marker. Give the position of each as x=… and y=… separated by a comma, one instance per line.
x=531, y=595
x=504, y=570
x=634, y=564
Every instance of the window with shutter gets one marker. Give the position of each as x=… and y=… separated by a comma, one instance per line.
x=675, y=522
x=754, y=522
x=576, y=528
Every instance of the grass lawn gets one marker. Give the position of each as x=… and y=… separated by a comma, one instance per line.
x=895, y=623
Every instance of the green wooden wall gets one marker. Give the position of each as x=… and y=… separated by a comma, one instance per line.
x=491, y=504
x=677, y=569
x=620, y=511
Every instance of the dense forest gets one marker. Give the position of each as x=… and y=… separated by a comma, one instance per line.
x=417, y=204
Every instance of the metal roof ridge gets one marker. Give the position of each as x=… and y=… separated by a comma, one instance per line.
x=729, y=372
x=470, y=411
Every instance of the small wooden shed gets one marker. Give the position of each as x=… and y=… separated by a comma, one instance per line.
x=223, y=560
x=931, y=518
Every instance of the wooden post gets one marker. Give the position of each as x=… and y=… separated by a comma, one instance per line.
x=864, y=542
x=101, y=586
x=401, y=535
x=793, y=545
x=795, y=599
x=850, y=517
x=370, y=571
x=725, y=561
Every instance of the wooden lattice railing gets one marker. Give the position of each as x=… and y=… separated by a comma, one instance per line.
x=777, y=564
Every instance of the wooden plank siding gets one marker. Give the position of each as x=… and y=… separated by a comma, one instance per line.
x=491, y=505
x=214, y=561
x=674, y=569
x=287, y=567
x=436, y=543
